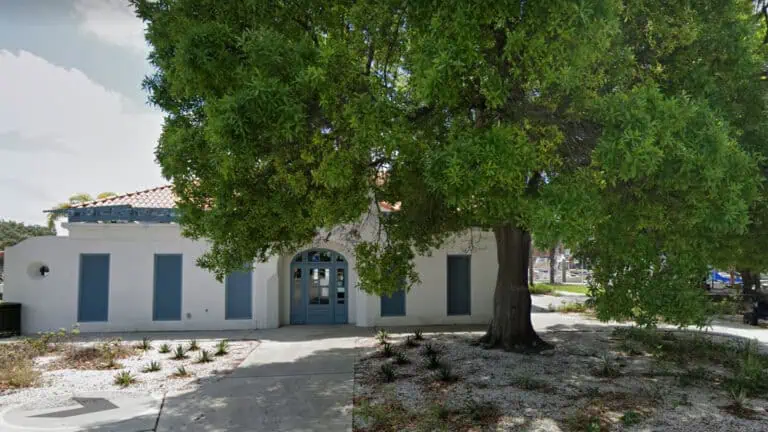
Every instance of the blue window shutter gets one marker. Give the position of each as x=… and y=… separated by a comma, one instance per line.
x=238, y=295
x=393, y=305
x=459, y=285
x=167, y=291
x=93, y=292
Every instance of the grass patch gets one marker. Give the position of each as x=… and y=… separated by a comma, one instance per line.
x=527, y=382
x=549, y=289
x=17, y=366
x=602, y=412
x=104, y=355
x=572, y=308
x=748, y=368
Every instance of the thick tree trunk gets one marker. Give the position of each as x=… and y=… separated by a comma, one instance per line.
x=511, y=327
x=531, y=277
x=749, y=281
x=552, y=266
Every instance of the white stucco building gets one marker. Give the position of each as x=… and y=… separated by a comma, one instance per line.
x=125, y=267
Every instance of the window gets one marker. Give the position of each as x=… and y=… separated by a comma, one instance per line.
x=393, y=305
x=167, y=292
x=459, y=281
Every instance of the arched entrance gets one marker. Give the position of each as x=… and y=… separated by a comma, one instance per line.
x=319, y=292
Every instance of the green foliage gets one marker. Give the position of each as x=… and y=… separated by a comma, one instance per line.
x=387, y=373
x=124, y=379
x=181, y=372
x=630, y=418
x=401, y=358
x=153, y=366
x=631, y=130
x=445, y=374
x=204, y=357
x=164, y=349
x=145, y=344
x=387, y=350
x=12, y=233
x=193, y=345
x=418, y=335
x=382, y=337
x=222, y=348
x=179, y=353
x=410, y=342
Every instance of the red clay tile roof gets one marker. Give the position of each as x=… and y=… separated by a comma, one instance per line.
x=163, y=197
x=159, y=197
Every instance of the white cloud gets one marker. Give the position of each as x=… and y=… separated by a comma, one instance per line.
x=90, y=139
x=112, y=21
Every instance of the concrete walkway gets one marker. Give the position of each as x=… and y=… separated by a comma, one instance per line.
x=298, y=379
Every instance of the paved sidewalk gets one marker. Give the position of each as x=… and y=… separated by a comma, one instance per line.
x=298, y=379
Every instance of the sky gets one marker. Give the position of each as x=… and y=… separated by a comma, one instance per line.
x=73, y=115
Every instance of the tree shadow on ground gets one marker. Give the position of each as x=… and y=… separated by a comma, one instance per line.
x=312, y=392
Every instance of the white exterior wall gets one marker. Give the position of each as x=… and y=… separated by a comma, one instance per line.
x=427, y=303
x=51, y=302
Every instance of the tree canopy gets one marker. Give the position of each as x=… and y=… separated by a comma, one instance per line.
x=12, y=233
x=631, y=130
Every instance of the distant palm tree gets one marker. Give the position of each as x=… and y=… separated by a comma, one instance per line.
x=74, y=200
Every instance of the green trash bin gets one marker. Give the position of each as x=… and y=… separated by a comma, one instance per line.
x=10, y=319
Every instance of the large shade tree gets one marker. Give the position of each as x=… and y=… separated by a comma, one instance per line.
x=621, y=128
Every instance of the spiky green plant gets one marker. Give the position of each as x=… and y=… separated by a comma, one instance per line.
x=124, y=379
x=204, y=357
x=193, y=345
x=179, y=353
x=164, y=349
x=222, y=348
x=153, y=366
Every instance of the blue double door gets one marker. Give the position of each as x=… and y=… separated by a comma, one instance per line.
x=319, y=292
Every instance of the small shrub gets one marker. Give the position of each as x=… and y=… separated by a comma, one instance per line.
x=739, y=405
x=630, y=418
x=527, y=382
x=382, y=336
x=124, y=379
x=179, y=353
x=164, y=349
x=607, y=367
x=193, y=345
x=418, y=335
x=180, y=372
x=693, y=376
x=153, y=366
x=410, y=342
x=145, y=344
x=387, y=373
x=387, y=350
x=481, y=412
x=429, y=350
x=204, y=357
x=445, y=374
x=17, y=372
x=113, y=349
x=222, y=348
x=433, y=362
x=401, y=358
x=572, y=308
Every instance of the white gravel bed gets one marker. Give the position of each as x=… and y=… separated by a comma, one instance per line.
x=545, y=392
x=58, y=383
